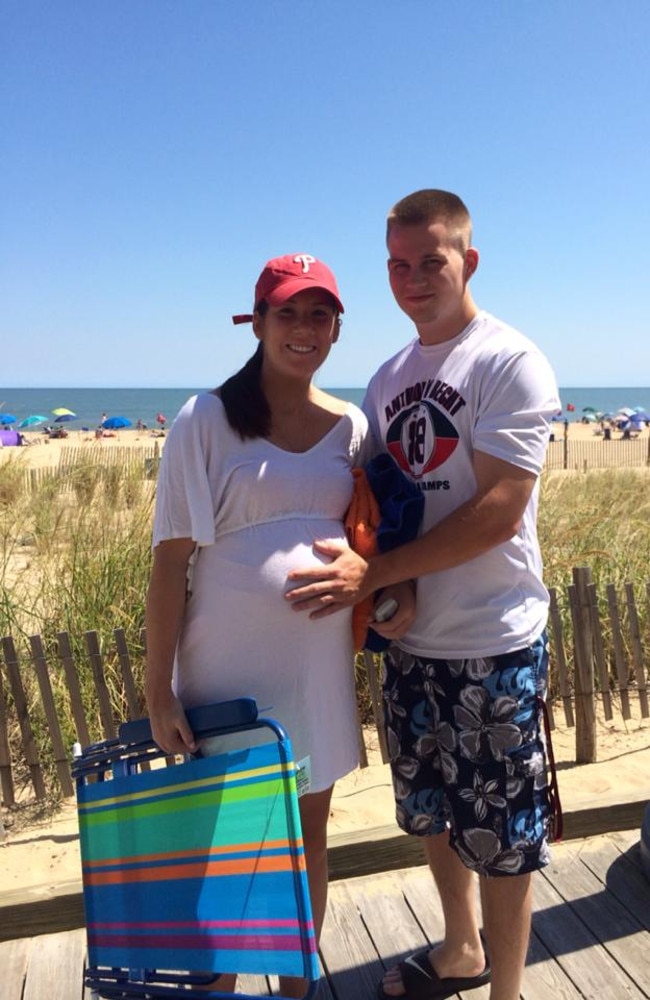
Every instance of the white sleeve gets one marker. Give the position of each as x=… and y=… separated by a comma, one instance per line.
x=515, y=413
x=185, y=504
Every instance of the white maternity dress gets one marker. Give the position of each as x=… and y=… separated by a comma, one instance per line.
x=254, y=511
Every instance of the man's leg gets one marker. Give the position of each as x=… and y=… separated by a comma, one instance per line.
x=507, y=907
x=461, y=953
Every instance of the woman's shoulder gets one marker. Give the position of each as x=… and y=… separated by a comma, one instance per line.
x=202, y=406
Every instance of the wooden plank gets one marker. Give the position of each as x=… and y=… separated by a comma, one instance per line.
x=374, y=686
x=543, y=978
x=620, y=933
x=41, y=909
x=577, y=950
x=101, y=687
x=599, y=651
x=621, y=872
x=586, y=744
x=20, y=704
x=130, y=689
x=56, y=965
x=61, y=756
x=555, y=623
x=6, y=776
x=386, y=914
x=349, y=958
x=13, y=963
x=619, y=651
x=637, y=649
x=74, y=689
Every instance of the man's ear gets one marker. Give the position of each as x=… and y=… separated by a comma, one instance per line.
x=337, y=329
x=471, y=262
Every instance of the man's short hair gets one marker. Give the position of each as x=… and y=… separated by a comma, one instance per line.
x=432, y=204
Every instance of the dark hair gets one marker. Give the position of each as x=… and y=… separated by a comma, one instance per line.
x=429, y=204
x=247, y=408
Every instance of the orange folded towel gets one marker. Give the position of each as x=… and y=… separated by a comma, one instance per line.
x=361, y=522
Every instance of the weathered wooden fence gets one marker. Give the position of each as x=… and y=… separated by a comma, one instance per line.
x=52, y=698
x=580, y=456
x=75, y=460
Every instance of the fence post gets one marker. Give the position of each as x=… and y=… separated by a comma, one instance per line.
x=586, y=749
x=101, y=687
x=622, y=671
x=599, y=651
x=6, y=778
x=20, y=701
x=61, y=757
x=74, y=688
x=637, y=651
x=558, y=645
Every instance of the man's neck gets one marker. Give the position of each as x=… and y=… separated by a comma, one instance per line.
x=443, y=329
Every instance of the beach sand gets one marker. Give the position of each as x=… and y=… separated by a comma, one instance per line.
x=43, y=451
x=42, y=851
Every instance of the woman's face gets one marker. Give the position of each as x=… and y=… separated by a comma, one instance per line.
x=298, y=335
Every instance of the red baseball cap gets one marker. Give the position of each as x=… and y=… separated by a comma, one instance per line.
x=285, y=276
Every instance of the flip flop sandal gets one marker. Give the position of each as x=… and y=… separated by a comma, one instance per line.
x=421, y=982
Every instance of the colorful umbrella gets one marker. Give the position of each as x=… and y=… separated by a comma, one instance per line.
x=64, y=417
x=7, y=418
x=115, y=423
x=63, y=411
x=32, y=421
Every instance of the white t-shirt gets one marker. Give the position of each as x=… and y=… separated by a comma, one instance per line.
x=490, y=389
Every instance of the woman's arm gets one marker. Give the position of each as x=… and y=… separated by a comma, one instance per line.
x=166, y=598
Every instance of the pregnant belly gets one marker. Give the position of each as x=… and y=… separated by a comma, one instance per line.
x=255, y=563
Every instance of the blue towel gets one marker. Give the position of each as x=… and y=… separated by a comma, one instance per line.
x=401, y=505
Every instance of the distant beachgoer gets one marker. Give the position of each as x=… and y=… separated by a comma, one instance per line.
x=251, y=475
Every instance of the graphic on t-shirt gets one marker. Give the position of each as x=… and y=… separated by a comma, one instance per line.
x=421, y=438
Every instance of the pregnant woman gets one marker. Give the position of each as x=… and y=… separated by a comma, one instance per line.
x=252, y=475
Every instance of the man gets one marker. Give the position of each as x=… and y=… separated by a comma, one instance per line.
x=465, y=411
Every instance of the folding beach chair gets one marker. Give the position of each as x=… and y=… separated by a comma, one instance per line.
x=193, y=870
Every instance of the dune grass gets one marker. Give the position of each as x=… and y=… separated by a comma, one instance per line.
x=75, y=556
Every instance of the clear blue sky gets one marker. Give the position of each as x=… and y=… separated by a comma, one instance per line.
x=155, y=153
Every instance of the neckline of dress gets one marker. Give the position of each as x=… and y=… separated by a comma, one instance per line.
x=287, y=451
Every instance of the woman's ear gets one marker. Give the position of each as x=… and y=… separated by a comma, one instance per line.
x=258, y=325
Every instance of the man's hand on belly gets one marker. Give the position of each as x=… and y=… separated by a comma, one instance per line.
x=333, y=586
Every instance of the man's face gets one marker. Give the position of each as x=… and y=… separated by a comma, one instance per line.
x=428, y=276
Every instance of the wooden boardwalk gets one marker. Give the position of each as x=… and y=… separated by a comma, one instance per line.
x=591, y=932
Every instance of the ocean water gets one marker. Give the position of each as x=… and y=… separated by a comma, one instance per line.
x=144, y=404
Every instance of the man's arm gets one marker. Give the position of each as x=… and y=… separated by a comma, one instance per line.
x=489, y=518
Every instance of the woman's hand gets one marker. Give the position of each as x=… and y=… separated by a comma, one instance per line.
x=170, y=727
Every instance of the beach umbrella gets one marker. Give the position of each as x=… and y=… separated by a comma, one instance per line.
x=64, y=417
x=7, y=418
x=115, y=423
x=32, y=421
x=641, y=414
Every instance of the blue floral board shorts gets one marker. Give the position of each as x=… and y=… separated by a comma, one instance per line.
x=468, y=754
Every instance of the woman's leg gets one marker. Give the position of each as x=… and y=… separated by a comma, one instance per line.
x=314, y=813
